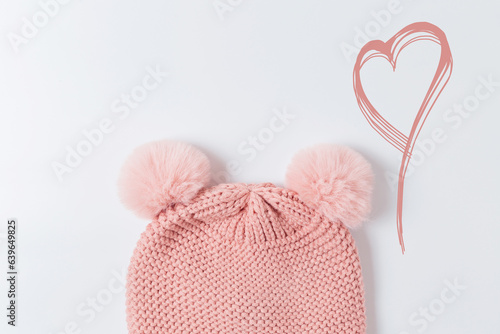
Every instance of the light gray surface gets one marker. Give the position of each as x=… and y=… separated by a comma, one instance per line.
x=225, y=78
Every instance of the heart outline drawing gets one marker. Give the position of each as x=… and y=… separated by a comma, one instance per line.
x=390, y=50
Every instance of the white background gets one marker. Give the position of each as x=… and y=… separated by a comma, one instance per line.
x=227, y=72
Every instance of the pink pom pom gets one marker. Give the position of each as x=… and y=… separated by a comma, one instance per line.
x=160, y=174
x=335, y=180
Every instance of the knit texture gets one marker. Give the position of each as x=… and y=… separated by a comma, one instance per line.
x=245, y=259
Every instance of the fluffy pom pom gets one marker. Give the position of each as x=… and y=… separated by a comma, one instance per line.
x=334, y=180
x=160, y=174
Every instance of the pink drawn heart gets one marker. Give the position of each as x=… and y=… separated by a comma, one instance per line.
x=390, y=50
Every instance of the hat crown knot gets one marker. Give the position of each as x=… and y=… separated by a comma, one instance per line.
x=252, y=213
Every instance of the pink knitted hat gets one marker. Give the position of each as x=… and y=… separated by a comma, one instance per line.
x=245, y=258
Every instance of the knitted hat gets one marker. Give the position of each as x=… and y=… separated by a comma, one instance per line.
x=245, y=258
